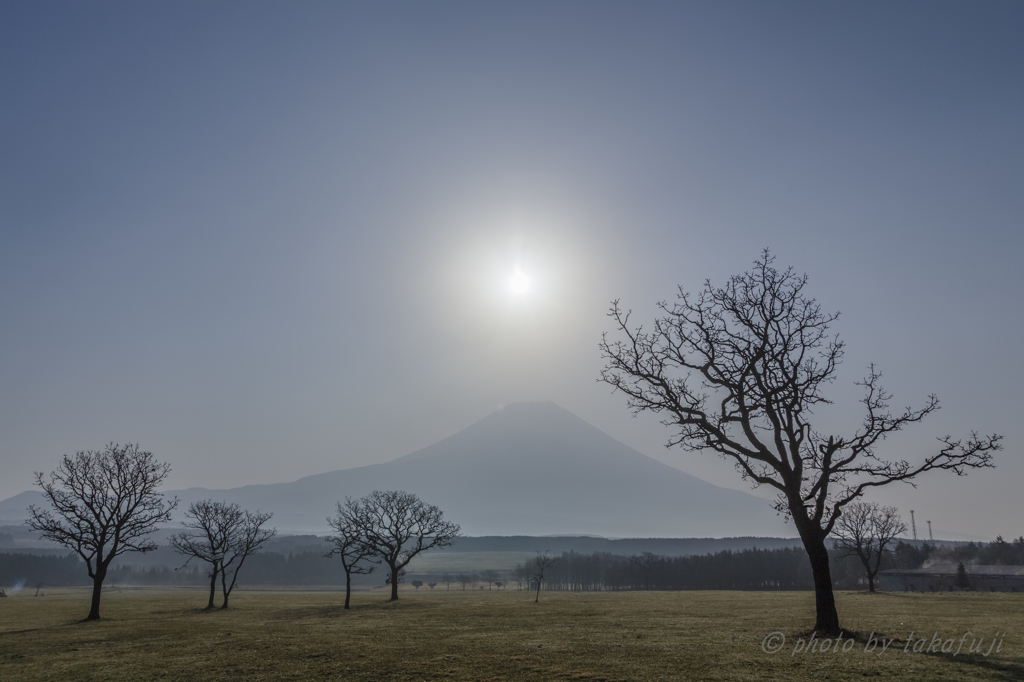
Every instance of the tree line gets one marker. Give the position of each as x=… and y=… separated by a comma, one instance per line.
x=104, y=503
x=750, y=569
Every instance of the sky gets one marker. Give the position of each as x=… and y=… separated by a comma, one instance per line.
x=268, y=240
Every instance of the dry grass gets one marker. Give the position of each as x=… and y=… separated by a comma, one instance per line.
x=456, y=635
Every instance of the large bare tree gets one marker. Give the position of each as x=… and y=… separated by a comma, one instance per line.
x=349, y=546
x=396, y=526
x=104, y=503
x=739, y=370
x=864, y=529
x=217, y=525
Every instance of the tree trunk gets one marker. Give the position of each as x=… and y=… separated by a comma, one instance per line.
x=827, y=622
x=224, y=586
x=394, y=584
x=871, y=582
x=348, y=587
x=213, y=588
x=97, y=587
x=537, y=600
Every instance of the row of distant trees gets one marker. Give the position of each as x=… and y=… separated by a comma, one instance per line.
x=752, y=569
x=105, y=503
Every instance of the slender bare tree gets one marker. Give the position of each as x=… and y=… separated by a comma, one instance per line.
x=739, y=369
x=246, y=539
x=355, y=555
x=644, y=565
x=104, y=503
x=541, y=563
x=217, y=524
x=864, y=529
x=396, y=526
x=489, y=576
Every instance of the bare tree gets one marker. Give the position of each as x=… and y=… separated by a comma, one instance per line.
x=521, y=573
x=104, y=503
x=739, y=370
x=864, y=529
x=489, y=576
x=644, y=564
x=464, y=580
x=431, y=586
x=541, y=563
x=349, y=546
x=217, y=524
x=396, y=526
x=447, y=579
x=246, y=539
x=417, y=584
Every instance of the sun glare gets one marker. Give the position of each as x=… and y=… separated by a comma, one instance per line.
x=519, y=284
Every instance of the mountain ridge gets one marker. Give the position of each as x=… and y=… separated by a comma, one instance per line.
x=526, y=469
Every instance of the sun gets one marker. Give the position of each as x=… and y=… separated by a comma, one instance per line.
x=519, y=283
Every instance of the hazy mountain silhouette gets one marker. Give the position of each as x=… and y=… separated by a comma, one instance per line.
x=527, y=469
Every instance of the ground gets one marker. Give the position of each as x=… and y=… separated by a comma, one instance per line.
x=498, y=635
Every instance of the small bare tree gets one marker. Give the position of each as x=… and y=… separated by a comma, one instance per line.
x=739, y=369
x=864, y=529
x=349, y=546
x=489, y=576
x=541, y=563
x=104, y=503
x=396, y=526
x=417, y=584
x=246, y=539
x=216, y=524
x=644, y=565
x=431, y=586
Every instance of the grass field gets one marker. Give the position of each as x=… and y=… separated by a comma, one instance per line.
x=456, y=635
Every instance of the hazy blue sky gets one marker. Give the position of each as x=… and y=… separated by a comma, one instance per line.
x=266, y=240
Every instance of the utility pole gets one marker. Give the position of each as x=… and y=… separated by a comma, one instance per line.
x=930, y=532
x=913, y=526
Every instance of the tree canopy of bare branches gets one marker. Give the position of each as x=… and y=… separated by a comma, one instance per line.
x=739, y=370
x=226, y=534
x=396, y=526
x=216, y=525
x=864, y=529
x=541, y=563
x=355, y=554
x=247, y=535
x=104, y=503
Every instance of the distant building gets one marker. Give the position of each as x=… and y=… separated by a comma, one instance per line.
x=941, y=577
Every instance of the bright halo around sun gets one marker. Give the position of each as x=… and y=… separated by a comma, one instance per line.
x=519, y=283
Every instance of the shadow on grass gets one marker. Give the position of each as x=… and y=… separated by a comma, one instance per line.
x=904, y=647
x=68, y=624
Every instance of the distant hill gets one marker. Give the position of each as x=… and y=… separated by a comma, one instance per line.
x=527, y=469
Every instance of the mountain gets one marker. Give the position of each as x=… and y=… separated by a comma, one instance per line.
x=527, y=469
